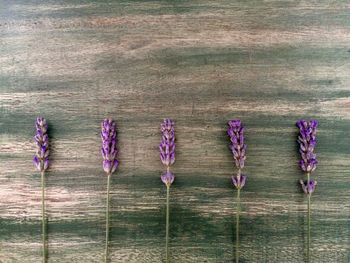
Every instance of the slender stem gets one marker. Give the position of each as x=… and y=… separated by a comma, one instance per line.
x=167, y=225
x=107, y=217
x=43, y=220
x=237, y=223
x=308, y=221
x=308, y=227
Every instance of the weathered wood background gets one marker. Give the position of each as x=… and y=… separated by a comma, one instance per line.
x=200, y=63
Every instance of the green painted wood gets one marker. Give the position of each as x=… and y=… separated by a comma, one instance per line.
x=200, y=63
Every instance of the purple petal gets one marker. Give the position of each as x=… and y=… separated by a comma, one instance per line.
x=312, y=186
x=172, y=158
x=308, y=188
x=41, y=124
x=46, y=164
x=230, y=132
x=239, y=181
x=313, y=124
x=167, y=178
x=107, y=165
x=302, y=165
x=114, y=166
x=234, y=123
x=243, y=180
x=37, y=163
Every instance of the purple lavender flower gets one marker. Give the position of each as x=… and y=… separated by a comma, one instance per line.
x=307, y=143
x=167, y=149
x=41, y=157
x=167, y=145
x=109, y=146
x=308, y=162
x=239, y=181
x=308, y=186
x=167, y=178
x=41, y=162
x=236, y=133
x=167, y=156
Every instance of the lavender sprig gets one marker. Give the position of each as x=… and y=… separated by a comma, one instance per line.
x=110, y=163
x=167, y=157
x=167, y=178
x=167, y=149
x=41, y=162
x=109, y=146
x=238, y=148
x=41, y=157
x=167, y=144
x=307, y=143
x=308, y=186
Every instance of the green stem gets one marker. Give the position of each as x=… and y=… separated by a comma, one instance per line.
x=107, y=217
x=43, y=225
x=308, y=221
x=167, y=225
x=308, y=228
x=237, y=223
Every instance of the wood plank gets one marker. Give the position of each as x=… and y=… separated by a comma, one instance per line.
x=200, y=63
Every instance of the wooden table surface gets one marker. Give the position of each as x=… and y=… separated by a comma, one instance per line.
x=201, y=63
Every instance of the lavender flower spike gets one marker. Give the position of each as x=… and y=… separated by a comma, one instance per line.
x=167, y=149
x=239, y=181
x=308, y=187
x=235, y=132
x=41, y=157
x=167, y=157
x=110, y=163
x=167, y=178
x=307, y=143
x=308, y=162
x=109, y=146
x=167, y=145
x=41, y=162
x=237, y=146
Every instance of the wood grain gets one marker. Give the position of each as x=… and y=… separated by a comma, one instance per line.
x=200, y=63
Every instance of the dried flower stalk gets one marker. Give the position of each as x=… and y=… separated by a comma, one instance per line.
x=41, y=162
x=238, y=148
x=307, y=143
x=167, y=157
x=110, y=163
